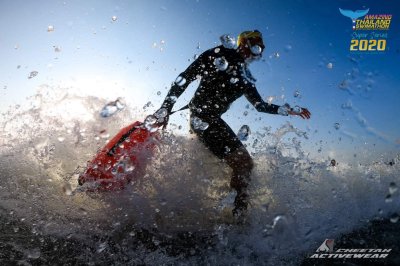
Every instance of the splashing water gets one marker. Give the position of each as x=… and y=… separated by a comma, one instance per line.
x=180, y=81
x=228, y=41
x=112, y=107
x=197, y=123
x=221, y=64
x=170, y=215
x=244, y=133
x=33, y=74
x=150, y=123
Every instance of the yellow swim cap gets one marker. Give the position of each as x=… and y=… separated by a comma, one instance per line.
x=246, y=35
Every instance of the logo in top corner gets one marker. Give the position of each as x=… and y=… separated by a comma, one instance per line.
x=327, y=246
x=369, y=31
x=353, y=15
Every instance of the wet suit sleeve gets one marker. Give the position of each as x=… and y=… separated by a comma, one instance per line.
x=255, y=99
x=182, y=82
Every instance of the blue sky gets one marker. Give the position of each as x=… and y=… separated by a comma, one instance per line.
x=151, y=42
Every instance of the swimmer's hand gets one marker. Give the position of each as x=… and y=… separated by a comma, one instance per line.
x=300, y=111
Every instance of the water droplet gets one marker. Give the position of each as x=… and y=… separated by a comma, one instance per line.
x=158, y=93
x=392, y=188
x=216, y=50
x=297, y=94
x=114, y=18
x=67, y=189
x=276, y=55
x=60, y=139
x=336, y=126
x=297, y=109
x=288, y=48
x=150, y=123
x=245, y=113
x=33, y=74
x=329, y=65
x=243, y=133
x=204, y=126
x=148, y=104
x=157, y=210
x=180, y=81
x=221, y=64
x=50, y=28
x=195, y=56
x=279, y=223
x=394, y=218
x=234, y=80
x=270, y=99
x=161, y=113
x=197, y=123
x=57, y=49
x=173, y=99
x=347, y=105
x=228, y=41
x=112, y=107
x=256, y=50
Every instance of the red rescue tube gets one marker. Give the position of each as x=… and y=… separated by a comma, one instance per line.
x=107, y=171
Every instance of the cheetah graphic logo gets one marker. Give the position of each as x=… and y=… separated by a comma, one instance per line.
x=327, y=246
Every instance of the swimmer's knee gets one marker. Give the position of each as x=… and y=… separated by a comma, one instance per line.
x=240, y=161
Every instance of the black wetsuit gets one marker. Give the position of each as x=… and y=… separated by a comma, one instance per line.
x=224, y=77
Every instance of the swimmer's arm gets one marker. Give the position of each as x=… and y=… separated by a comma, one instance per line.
x=255, y=99
x=183, y=80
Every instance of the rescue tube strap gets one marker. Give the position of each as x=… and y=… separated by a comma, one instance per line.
x=122, y=139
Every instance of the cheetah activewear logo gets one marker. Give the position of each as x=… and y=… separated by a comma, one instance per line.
x=326, y=251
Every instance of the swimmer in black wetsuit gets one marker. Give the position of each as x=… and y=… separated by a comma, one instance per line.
x=224, y=77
